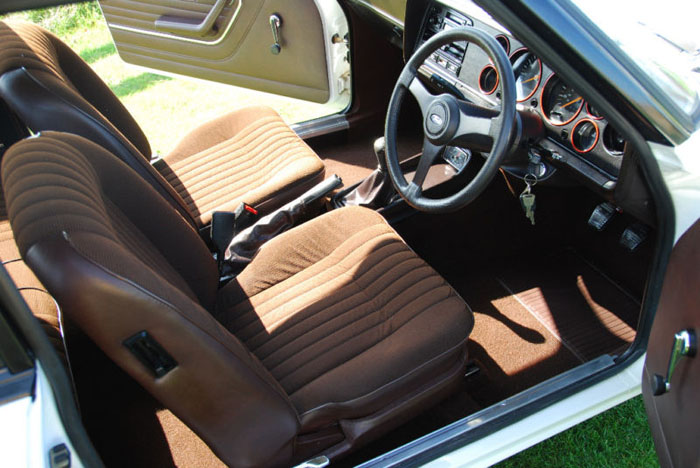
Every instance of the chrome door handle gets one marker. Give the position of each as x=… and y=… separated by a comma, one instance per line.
x=684, y=344
x=275, y=25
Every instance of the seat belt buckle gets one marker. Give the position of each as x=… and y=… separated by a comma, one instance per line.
x=225, y=225
x=245, y=215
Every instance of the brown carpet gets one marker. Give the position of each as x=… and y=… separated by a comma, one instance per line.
x=352, y=158
x=512, y=349
x=587, y=312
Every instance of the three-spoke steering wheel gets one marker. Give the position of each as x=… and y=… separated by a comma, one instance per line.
x=447, y=119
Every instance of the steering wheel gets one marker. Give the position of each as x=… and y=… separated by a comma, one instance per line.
x=447, y=119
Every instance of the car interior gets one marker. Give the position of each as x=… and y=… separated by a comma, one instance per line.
x=387, y=309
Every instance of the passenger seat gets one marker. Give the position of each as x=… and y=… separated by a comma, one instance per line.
x=249, y=155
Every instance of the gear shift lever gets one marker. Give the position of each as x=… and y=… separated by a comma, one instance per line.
x=380, y=153
x=376, y=190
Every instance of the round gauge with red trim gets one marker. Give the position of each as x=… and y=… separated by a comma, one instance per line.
x=504, y=41
x=593, y=112
x=584, y=135
x=613, y=141
x=527, y=69
x=560, y=102
x=488, y=79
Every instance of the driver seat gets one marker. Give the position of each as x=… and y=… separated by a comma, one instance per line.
x=248, y=155
x=334, y=334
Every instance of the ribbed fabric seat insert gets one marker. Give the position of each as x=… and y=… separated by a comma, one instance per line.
x=335, y=307
x=262, y=160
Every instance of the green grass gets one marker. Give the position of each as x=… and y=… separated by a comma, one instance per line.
x=167, y=107
x=620, y=437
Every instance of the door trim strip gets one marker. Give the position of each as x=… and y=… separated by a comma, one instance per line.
x=147, y=32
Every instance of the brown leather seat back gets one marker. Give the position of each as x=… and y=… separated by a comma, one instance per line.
x=49, y=87
x=120, y=263
x=37, y=51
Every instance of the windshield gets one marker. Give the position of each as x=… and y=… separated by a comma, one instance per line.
x=661, y=37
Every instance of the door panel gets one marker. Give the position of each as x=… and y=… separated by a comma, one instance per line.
x=236, y=48
x=674, y=416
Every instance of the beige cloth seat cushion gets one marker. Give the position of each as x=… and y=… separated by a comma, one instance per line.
x=249, y=155
x=345, y=316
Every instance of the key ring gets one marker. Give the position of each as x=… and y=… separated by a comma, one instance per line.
x=532, y=181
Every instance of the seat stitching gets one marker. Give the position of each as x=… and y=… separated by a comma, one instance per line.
x=327, y=338
x=186, y=163
x=355, y=354
x=209, y=157
x=413, y=371
x=254, y=316
x=304, y=293
x=235, y=175
x=212, y=157
x=328, y=307
x=392, y=238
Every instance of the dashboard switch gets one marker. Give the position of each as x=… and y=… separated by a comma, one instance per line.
x=457, y=157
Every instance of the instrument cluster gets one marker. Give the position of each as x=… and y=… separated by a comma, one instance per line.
x=573, y=124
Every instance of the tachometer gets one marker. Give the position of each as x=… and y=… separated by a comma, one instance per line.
x=527, y=69
x=560, y=102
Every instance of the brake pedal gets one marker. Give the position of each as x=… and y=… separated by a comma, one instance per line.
x=601, y=216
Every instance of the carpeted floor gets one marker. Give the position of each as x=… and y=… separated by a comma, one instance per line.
x=535, y=319
x=354, y=159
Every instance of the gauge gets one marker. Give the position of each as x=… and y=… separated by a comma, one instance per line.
x=488, y=79
x=584, y=135
x=527, y=69
x=593, y=112
x=505, y=43
x=560, y=102
x=613, y=141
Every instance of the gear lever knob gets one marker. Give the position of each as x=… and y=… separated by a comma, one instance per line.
x=380, y=153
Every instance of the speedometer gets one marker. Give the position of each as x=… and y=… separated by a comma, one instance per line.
x=560, y=102
x=527, y=69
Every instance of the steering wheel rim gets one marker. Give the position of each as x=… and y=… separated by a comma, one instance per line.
x=446, y=118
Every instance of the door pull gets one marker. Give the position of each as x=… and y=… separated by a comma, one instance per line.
x=684, y=344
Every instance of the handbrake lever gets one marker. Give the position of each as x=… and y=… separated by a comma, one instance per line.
x=226, y=224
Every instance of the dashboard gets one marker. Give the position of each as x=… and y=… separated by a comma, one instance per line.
x=576, y=136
